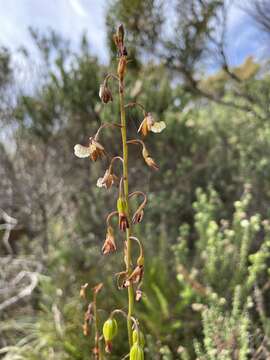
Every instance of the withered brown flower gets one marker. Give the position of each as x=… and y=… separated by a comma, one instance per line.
x=135, y=277
x=148, y=159
x=149, y=124
x=94, y=150
x=109, y=245
x=138, y=295
x=98, y=288
x=83, y=291
x=107, y=180
x=138, y=216
x=88, y=318
x=105, y=93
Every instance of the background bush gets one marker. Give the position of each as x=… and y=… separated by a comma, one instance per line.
x=206, y=229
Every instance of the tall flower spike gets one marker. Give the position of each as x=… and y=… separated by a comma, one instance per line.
x=149, y=124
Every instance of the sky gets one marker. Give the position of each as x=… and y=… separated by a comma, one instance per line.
x=71, y=17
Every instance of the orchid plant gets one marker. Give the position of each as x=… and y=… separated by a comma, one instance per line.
x=131, y=277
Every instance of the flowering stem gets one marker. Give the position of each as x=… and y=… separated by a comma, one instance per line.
x=98, y=352
x=128, y=230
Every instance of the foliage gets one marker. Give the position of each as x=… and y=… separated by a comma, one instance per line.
x=206, y=232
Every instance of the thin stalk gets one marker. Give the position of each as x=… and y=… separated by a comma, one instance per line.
x=128, y=231
x=98, y=353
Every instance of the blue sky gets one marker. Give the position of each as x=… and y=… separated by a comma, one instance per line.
x=71, y=17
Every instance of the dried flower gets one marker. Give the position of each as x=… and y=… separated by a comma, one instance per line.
x=109, y=243
x=88, y=318
x=110, y=329
x=151, y=163
x=138, y=216
x=138, y=295
x=107, y=180
x=135, y=277
x=122, y=214
x=83, y=291
x=95, y=150
x=105, y=93
x=148, y=159
x=149, y=124
x=97, y=288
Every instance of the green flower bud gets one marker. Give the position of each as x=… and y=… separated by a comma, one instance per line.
x=136, y=352
x=110, y=329
x=121, y=205
x=138, y=339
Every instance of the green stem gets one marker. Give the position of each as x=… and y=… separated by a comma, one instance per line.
x=128, y=231
x=97, y=342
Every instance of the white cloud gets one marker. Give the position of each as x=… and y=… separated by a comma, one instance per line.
x=78, y=8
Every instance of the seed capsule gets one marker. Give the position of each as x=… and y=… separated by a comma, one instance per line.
x=138, y=339
x=110, y=329
x=136, y=352
x=122, y=214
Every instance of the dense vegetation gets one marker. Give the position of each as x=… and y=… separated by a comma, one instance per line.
x=206, y=229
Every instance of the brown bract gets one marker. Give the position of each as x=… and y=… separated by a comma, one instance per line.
x=109, y=243
x=122, y=67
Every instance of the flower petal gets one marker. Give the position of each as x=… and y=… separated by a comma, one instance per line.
x=100, y=182
x=81, y=151
x=157, y=127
